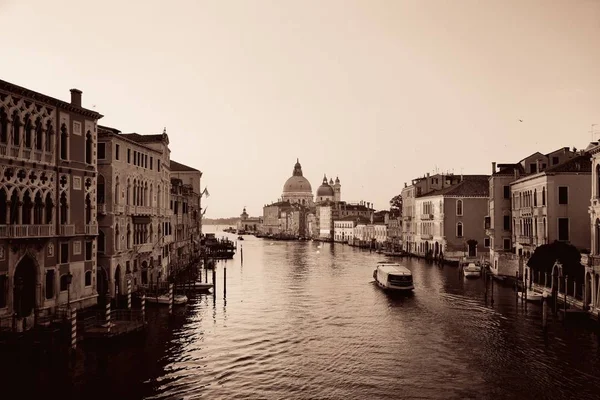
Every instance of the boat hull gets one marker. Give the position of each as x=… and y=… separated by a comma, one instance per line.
x=532, y=296
x=472, y=274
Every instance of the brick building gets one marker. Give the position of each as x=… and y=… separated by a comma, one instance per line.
x=47, y=204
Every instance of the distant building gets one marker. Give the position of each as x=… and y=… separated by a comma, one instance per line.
x=449, y=222
x=249, y=224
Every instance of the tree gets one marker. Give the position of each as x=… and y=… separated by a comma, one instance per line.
x=544, y=257
x=396, y=206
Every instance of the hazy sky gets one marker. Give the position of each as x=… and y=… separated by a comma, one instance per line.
x=376, y=92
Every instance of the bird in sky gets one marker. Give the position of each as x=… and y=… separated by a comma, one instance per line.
x=520, y=120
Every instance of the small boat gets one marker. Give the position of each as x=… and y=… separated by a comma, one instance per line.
x=394, y=277
x=164, y=299
x=197, y=287
x=472, y=271
x=531, y=296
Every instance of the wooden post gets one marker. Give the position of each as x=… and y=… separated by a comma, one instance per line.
x=171, y=298
x=73, y=328
x=242, y=254
x=544, y=310
x=545, y=279
x=517, y=287
x=566, y=280
x=129, y=294
x=107, y=315
x=492, y=289
x=143, y=308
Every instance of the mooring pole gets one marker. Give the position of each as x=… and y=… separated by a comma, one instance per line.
x=129, y=294
x=171, y=298
x=74, y=329
x=544, y=310
x=143, y=305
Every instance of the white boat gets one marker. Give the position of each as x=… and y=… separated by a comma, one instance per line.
x=164, y=299
x=472, y=270
x=393, y=276
x=531, y=296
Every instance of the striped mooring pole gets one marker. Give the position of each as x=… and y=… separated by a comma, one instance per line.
x=170, y=298
x=143, y=308
x=74, y=328
x=107, y=316
x=129, y=294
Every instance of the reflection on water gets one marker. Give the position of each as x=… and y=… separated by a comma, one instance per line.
x=299, y=321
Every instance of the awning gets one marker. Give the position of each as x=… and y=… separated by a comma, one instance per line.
x=141, y=219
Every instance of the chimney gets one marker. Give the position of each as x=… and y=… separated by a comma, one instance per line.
x=493, y=167
x=76, y=97
x=428, y=174
x=404, y=184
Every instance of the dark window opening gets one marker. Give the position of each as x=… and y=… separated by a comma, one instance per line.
x=88, y=250
x=117, y=151
x=507, y=222
x=88, y=278
x=563, y=195
x=50, y=284
x=101, y=151
x=563, y=229
x=64, y=253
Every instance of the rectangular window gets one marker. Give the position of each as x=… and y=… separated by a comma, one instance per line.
x=487, y=223
x=459, y=230
x=507, y=222
x=101, y=151
x=507, y=192
x=563, y=195
x=88, y=250
x=117, y=151
x=146, y=161
x=3, y=290
x=50, y=277
x=532, y=168
x=554, y=160
x=151, y=163
x=486, y=242
x=64, y=253
x=77, y=247
x=135, y=153
x=506, y=244
x=158, y=165
x=128, y=156
x=88, y=278
x=563, y=229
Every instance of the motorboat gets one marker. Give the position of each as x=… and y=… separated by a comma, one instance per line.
x=472, y=270
x=393, y=277
x=164, y=299
x=531, y=296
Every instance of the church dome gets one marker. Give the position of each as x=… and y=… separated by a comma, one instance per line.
x=296, y=184
x=325, y=189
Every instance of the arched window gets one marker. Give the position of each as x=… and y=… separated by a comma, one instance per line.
x=14, y=207
x=158, y=200
x=64, y=208
x=135, y=189
x=545, y=232
x=38, y=134
x=16, y=124
x=117, y=237
x=88, y=278
x=459, y=229
x=64, y=143
x=544, y=196
x=150, y=199
x=128, y=236
x=100, y=188
x=535, y=197
x=3, y=126
x=88, y=148
x=38, y=210
x=28, y=131
x=128, y=193
x=49, y=136
x=26, y=208
x=117, y=190
x=459, y=207
x=3, y=205
x=49, y=207
x=88, y=210
x=101, y=242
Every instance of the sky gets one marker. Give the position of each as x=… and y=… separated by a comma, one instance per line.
x=376, y=92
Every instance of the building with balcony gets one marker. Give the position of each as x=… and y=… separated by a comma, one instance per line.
x=498, y=222
x=552, y=205
x=449, y=221
x=134, y=196
x=592, y=273
x=419, y=187
x=47, y=204
x=185, y=204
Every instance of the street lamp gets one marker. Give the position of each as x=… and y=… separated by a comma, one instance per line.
x=69, y=278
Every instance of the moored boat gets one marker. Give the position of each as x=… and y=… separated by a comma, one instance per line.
x=393, y=277
x=164, y=299
x=531, y=296
x=472, y=271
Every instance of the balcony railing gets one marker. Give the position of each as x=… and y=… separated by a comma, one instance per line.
x=67, y=230
x=539, y=211
x=91, y=229
x=426, y=236
x=489, y=232
x=119, y=208
x=525, y=239
x=526, y=211
x=426, y=216
x=144, y=248
x=3, y=150
x=26, y=231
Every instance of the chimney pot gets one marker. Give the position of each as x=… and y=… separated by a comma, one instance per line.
x=493, y=167
x=428, y=174
x=76, y=97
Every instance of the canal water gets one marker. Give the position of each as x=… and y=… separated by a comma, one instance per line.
x=303, y=320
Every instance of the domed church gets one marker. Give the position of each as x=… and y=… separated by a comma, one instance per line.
x=329, y=191
x=297, y=188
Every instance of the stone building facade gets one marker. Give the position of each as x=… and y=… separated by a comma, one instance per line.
x=135, y=217
x=47, y=204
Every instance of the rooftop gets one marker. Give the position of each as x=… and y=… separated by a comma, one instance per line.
x=470, y=186
x=178, y=167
